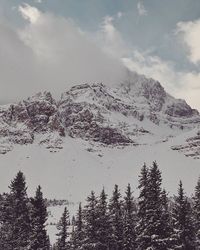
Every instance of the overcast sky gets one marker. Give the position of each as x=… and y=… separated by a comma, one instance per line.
x=54, y=44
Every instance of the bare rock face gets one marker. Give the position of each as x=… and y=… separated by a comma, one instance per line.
x=180, y=109
x=191, y=147
x=19, y=123
x=84, y=120
x=117, y=115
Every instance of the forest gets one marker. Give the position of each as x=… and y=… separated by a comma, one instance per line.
x=151, y=221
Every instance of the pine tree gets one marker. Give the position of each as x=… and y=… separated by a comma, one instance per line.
x=116, y=221
x=142, y=239
x=182, y=222
x=5, y=223
x=129, y=221
x=62, y=241
x=154, y=224
x=38, y=239
x=78, y=230
x=90, y=221
x=153, y=214
x=166, y=230
x=15, y=213
x=103, y=226
x=196, y=209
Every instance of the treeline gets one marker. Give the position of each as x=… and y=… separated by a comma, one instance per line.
x=121, y=222
x=23, y=219
x=152, y=222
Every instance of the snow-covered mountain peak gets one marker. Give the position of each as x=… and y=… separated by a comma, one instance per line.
x=136, y=111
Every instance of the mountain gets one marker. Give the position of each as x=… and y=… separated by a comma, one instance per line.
x=120, y=115
x=97, y=135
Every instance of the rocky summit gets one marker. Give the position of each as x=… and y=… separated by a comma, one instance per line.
x=137, y=111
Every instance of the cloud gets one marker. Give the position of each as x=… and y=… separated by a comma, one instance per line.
x=141, y=9
x=50, y=53
x=29, y=13
x=180, y=84
x=190, y=33
x=120, y=14
x=110, y=39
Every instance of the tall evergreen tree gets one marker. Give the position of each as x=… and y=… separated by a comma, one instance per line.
x=15, y=213
x=154, y=225
x=38, y=238
x=129, y=221
x=152, y=211
x=90, y=221
x=78, y=230
x=116, y=221
x=103, y=227
x=182, y=222
x=62, y=241
x=142, y=240
x=196, y=209
x=166, y=230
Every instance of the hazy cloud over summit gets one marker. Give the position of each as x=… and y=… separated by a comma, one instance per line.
x=51, y=45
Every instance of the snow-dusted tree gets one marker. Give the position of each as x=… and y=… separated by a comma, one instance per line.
x=15, y=216
x=62, y=226
x=5, y=223
x=142, y=239
x=103, y=226
x=153, y=215
x=90, y=223
x=129, y=242
x=38, y=214
x=77, y=230
x=182, y=222
x=116, y=221
x=196, y=210
x=166, y=230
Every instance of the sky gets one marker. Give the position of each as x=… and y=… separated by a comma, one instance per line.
x=54, y=44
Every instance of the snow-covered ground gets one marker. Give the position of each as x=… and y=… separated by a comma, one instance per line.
x=55, y=213
x=72, y=172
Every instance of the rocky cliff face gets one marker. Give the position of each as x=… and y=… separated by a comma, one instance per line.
x=120, y=115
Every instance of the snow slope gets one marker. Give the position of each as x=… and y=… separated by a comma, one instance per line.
x=79, y=167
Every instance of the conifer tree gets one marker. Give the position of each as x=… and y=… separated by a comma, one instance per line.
x=15, y=212
x=116, y=221
x=103, y=227
x=182, y=222
x=78, y=230
x=129, y=221
x=154, y=224
x=142, y=240
x=90, y=221
x=5, y=223
x=166, y=230
x=196, y=209
x=153, y=231
x=38, y=238
x=62, y=241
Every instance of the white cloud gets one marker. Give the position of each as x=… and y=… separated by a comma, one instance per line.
x=119, y=14
x=190, y=33
x=50, y=53
x=141, y=9
x=53, y=53
x=185, y=85
x=110, y=39
x=29, y=13
x=180, y=84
